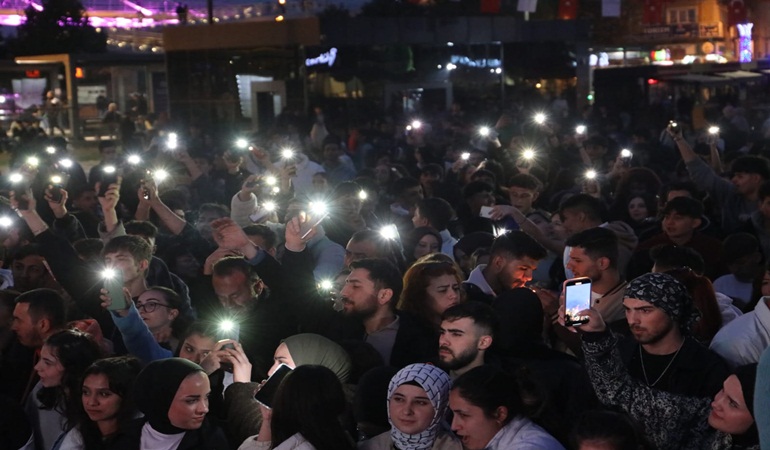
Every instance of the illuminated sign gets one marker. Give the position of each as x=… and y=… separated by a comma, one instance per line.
x=327, y=58
x=744, y=41
x=661, y=55
x=460, y=60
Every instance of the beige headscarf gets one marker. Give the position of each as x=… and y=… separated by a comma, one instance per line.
x=315, y=349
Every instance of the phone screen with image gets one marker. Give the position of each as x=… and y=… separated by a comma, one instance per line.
x=577, y=294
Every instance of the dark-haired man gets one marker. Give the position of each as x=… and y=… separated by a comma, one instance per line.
x=37, y=314
x=594, y=254
x=467, y=332
x=581, y=212
x=682, y=217
x=737, y=196
x=436, y=213
x=369, y=297
x=513, y=257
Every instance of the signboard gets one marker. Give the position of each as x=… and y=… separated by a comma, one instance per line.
x=87, y=94
x=683, y=30
x=324, y=59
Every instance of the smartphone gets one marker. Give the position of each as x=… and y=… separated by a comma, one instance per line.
x=228, y=329
x=109, y=176
x=305, y=230
x=577, y=297
x=114, y=286
x=57, y=184
x=486, y=211
x=266, y=393
x=20, y=191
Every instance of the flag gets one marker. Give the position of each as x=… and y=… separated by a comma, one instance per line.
x=490, y=6
x=527, y=6
x=653, y=12
x=610, y=8
x=736, y=12
x=568, y=9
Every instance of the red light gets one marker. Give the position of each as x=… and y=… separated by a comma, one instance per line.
x=32, y=73
x=652, y=81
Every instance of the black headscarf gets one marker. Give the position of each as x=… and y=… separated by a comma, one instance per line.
x=155, y=389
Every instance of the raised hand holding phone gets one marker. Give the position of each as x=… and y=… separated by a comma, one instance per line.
x=577, y=298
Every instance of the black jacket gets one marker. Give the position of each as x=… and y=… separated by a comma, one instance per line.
x=207, y=437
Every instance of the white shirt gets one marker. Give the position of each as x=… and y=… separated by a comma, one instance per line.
x=738, y=290
x=477, y=278
x=743, y=340
x=448, y=243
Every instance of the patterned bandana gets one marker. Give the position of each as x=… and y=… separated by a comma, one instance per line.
x=667, y=293
x=436, y=384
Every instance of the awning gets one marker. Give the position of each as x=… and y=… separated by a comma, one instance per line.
x=740, y=74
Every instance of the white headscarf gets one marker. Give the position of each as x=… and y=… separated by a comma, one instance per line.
x=436, y=384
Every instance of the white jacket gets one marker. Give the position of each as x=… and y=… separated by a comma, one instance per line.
x=296, y=442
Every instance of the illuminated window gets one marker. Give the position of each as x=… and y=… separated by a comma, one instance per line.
x=678, y=16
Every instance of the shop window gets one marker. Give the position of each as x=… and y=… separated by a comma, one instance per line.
x=678, y=16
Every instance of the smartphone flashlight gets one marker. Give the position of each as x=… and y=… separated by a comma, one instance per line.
x=389, y=232
x=241, y=143
x=134, y=160
x=271, y=180
x=465, y=156
x=226, y=325
x=50, y=150
x=172, y=141
x=109, y=169
x=33, y=161
x=287, y=153
x=108, y=273
x=713, y=130
x=317, y=208
x=65, y=162
x=673, y=124
x=268, y=206
x=16, y=177
x=276, y=190
x=528, y=154
x=626, y=153
x=540, y=118
x=362, y=195
x=159, y=175
x=484, y=131
x=591, y=174
x=580, y=129
x=499, y=231
x=56, y=179
x=5, y=221
x=416, y=125
x=326, y=285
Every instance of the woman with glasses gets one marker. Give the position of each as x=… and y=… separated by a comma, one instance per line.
x=151, y=326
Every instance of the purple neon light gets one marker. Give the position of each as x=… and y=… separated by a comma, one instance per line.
x=15, y=20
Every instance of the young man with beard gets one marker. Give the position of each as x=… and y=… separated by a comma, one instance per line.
x=513, y=257
x=369, y=297
x=662, y=352
x=467, y=332
x=594, y=254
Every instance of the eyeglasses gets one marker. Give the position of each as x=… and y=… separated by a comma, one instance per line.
x=149, y=307
x=521, y=195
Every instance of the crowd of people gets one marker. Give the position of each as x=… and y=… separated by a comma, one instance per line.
x=401, y=288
